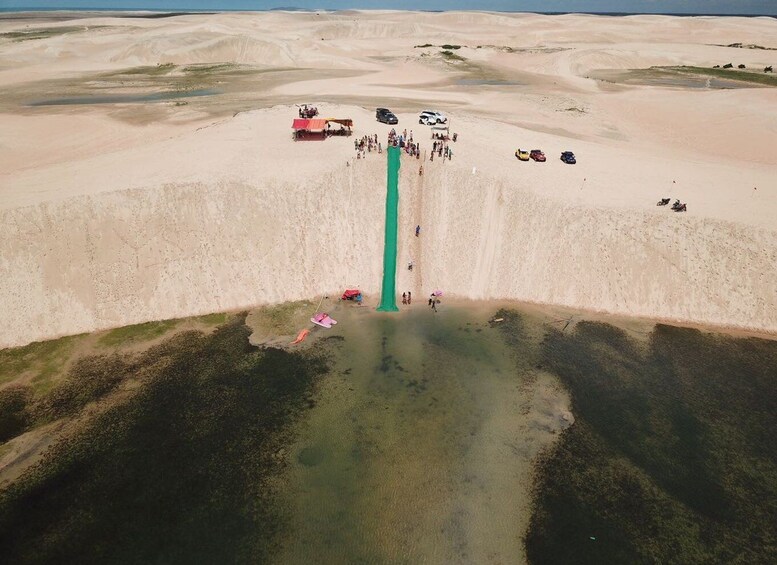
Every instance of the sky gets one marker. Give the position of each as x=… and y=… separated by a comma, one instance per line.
x=756, y=7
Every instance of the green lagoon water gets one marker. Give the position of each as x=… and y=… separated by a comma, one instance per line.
x=420, y=446
x=408, y=438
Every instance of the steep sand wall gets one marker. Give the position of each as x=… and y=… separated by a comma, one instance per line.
x=118, y=258
x=487, y=239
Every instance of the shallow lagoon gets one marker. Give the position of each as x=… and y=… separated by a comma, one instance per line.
x=420, y=446
x=409, y=437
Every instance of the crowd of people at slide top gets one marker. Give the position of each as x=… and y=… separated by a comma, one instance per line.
x=404, y=140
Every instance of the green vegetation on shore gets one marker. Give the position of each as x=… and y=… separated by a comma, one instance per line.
x=43, y=360
x=672, y=457
x=137, y=333
x=179, y=471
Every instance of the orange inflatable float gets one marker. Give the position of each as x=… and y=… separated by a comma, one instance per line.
x=301, y=336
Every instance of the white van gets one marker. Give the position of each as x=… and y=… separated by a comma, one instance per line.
x=430, y=118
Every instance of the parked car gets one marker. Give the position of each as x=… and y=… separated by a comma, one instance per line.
x=430, y=117
x=386, y=116
x=522, y=154
x=537, y=155
x=568, y=157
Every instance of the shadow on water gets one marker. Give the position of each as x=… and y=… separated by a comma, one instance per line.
x=672, y=457
x=126, y=98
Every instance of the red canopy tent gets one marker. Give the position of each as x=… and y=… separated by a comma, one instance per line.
x=315, y=124
x=304, y=128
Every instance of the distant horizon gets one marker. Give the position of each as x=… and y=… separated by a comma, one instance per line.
x=746, y=8
x=204, y=11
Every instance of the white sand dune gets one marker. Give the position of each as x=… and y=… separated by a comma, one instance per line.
x=107, y=219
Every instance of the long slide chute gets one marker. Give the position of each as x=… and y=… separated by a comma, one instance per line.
x=388, y=297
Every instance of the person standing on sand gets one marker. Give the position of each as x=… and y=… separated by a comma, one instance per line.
x=404, y=298
x=431, y=302
x=409, y=297
x=417, y=230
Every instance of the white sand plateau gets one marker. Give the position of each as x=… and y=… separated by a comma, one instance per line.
x=113, y=214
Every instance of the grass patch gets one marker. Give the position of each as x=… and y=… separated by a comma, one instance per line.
x=15, y=415
x=748, y=46
x=206, y=68
x=451, y=56
x=88, y=380
x=213, y=319
x=447, y=46
x=151, y=70
x=181, y=472
x=44, y=358
x=24, y=407
x=673, y=441
x=281, y=319
x=137, y=333
x=40, y=33
x=732, y=74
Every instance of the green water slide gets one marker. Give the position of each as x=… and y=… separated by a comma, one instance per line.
x=388, y=298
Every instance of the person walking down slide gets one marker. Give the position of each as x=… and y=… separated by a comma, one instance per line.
x=417, y=230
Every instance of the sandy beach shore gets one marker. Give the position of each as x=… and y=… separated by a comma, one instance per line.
x=123, y=212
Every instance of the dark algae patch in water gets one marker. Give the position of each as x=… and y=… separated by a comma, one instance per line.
x=180, y=470
x=672, y=457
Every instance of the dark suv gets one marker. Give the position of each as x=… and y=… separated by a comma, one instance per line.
x=386, y=116
x=568, y=157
